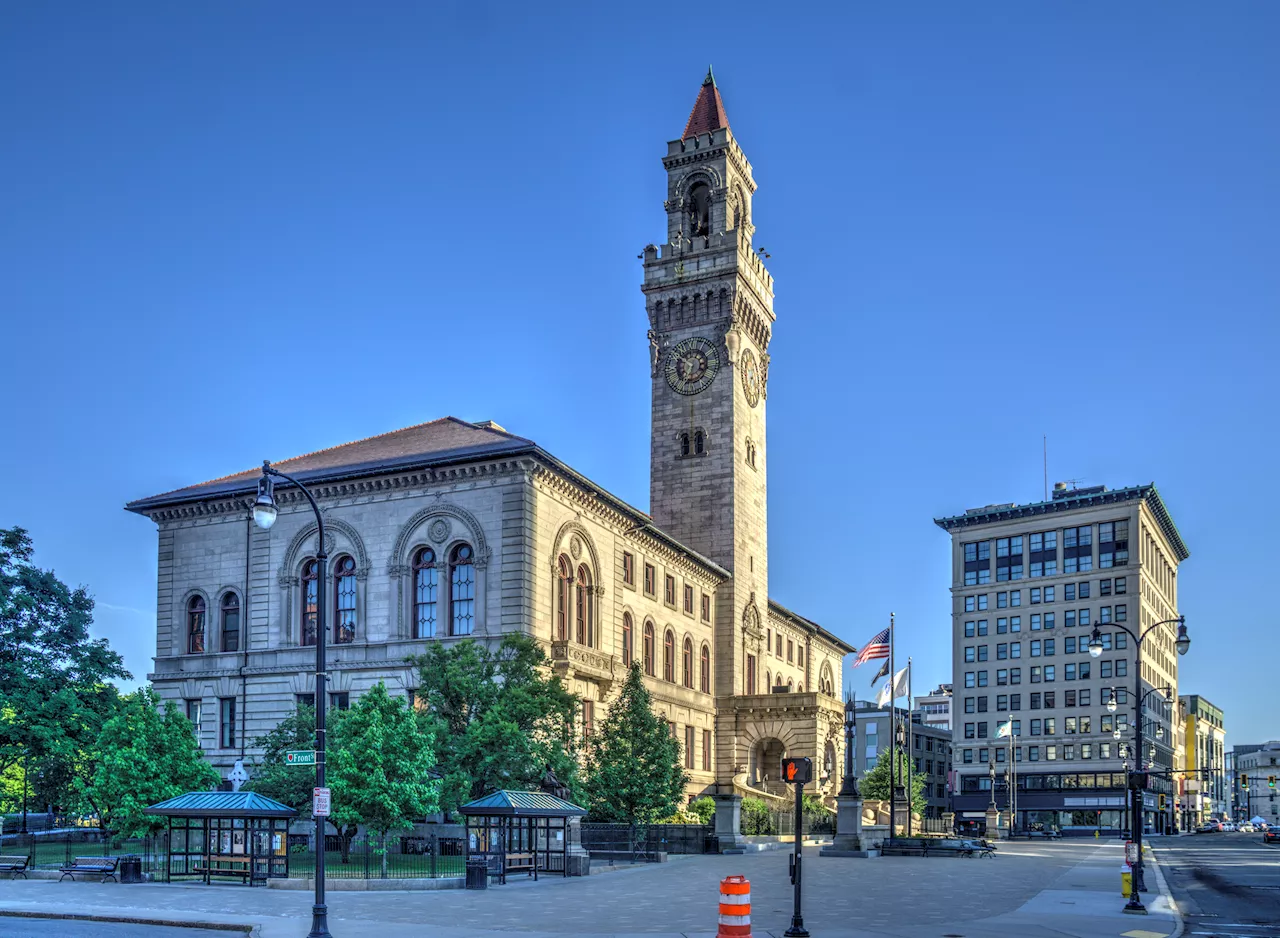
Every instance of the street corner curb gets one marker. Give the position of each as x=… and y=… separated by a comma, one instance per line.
x=1165, y=891
x=244, y=929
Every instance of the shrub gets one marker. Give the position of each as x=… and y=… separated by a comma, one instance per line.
x=704, y=808
x=756, y=817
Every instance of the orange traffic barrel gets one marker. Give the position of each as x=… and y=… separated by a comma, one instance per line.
x=735, y=908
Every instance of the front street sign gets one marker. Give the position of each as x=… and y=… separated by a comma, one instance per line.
x=300, y=757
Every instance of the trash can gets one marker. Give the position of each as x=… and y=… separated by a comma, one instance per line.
x=477, y=873
x=131, y=869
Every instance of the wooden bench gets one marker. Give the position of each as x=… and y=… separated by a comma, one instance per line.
x=91, y=866
x=226, y=866
x=521, y=863
x=14, y=866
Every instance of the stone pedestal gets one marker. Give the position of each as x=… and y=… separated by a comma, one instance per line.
x=729, y=823
x=848, y=839
x=577, y=860
x=994, y=830
x=900, y=818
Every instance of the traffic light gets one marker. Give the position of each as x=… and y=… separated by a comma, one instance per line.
x=1162, y=801
x=1271, y=781
x=1244, y=781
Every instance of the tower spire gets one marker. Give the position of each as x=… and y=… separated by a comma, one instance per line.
x=708, y=111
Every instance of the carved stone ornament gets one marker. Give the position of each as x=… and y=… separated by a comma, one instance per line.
x=575, y=547
x=439, y=529
x=733, y=343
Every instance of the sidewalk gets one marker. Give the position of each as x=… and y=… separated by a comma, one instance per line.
x=1026, y=892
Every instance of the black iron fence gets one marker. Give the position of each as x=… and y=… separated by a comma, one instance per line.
x=644, y=842
x=52, y=850
x=783, y=823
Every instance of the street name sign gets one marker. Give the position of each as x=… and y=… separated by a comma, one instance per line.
x=320, y=802
x=300, y=757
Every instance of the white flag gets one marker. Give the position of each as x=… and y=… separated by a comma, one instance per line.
x=892, y=690
x=1005, y=729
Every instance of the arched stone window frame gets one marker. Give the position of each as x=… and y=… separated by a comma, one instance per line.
x=584, y=608
x=826, y=679
x=223, y=609
x=574, y=542
x=425, y=565
x=183, y=642
x=686, y=662
x=650, y=650
x=563, y=601
x=341, y=537
x=456, y=560
x=704, y=669
x=440, y=527
x=342, y=567
x=669, y=655
x=627, y=639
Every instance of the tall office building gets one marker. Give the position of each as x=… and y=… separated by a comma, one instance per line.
x=1206, y=782
x=934, y=708
x=1029, y=584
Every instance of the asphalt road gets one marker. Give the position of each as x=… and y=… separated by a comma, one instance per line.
x=15, y=927
x=1228, y=885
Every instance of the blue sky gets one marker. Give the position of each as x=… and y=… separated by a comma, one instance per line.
x=239, y=231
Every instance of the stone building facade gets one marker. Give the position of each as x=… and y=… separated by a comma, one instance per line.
x=451, y=530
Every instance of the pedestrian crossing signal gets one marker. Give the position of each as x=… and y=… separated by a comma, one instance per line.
x=1244, y=781
x=797, y=771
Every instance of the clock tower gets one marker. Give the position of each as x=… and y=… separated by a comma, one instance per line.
x=710, y=305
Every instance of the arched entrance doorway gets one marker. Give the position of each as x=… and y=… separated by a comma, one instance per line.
x=766, y=761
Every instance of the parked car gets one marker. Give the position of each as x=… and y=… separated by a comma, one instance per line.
x=1229, y=826
x=1210, y=827
x=1271, y=836
x=1247, y=828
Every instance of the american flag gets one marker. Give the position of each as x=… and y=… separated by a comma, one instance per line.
x=877, y=648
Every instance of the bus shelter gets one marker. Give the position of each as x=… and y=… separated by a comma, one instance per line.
x=520, y=832
x=217, y=835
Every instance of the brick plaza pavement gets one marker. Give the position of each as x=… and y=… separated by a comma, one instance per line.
x=1027, y=891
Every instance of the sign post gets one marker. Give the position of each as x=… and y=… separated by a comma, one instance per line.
x=320, y=802
x=797, y=772
x=300, y=757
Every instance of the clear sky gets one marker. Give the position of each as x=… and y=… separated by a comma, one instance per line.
x=234, y=231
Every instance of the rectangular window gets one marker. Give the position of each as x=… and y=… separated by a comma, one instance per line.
x=340, y=700
x=1015, y=623
x=1002, y=677
x=588, y=719
x=1048, y=674
x=982, y=730
x=1084, y=618
x=1035, y=622
x=1122, y=613
x=1002, y=626
x=1104, y=587
x=969, y=679
x=968, y=705
x=1009, y=558
x=790, y=651
x=982, y=601
x=1104, y=750
x=1015, y=675
x=1122, y=641
x=984, y=756
x=1069, y=752
x=706, y=750
x=1120, y=586
x=1050, y=699
x=688, y=600
x=1015, y=649
x=970, y=731
x=1002, y=651
x=968, y=629
x=688, y=747
x=1104, y=669
x=982, y=652
x=1122, y=667
x=628, y=568
x=1069, y=698
x=1086, y=723
x=1104, y=615
x=1083, y=590
x=1015, y=598
x=970, y=654
x=1002, y=600
x=982, y=704
x=1069, y=726
x=1069, y=645
x=1033, y=753
x=193, y=714
x=1069, y=592
x=1048, y=647
x=1035, y=674
x=1048, y=620
x=1035, y=596
x=1035, y=649
x=1000, y=755
x=227, y=722
x=1035, y=727
x=305, y=700
x=1050, y=753
x=1035, y=701
x=706, y=608
x=1002, y=702
x=1069, y=673
x=670, y=594
x=1051, y=726
x=1069, y=619
x=1015, y=701
x=967, y=756
x=751, y=674
x=982, y=627
x=1085, y=670
x=1049, y=592
x=650, y=579
x=977, y=563
x=982, y=678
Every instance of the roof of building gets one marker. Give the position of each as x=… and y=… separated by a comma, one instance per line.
x=246, y=804
x=708, y=111
x=1072, y=501
x=520, y=804
x=810, y=624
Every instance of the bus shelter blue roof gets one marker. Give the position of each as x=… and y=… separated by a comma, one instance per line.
x=520, y=804
x=246, y=804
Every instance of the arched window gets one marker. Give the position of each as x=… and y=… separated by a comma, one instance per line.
x=627, y=639
x=649, y=656
x=344, y=600
x=684, y=444
x=586, y=610
x=426, y=593
x=564, y=579
x=195, y=625
x=462, y=590
x=699, y=443
x=669, y=657
x=686, y=663
x=706, y=670
x=310, y=601
x=230, y=622
x=768, y=680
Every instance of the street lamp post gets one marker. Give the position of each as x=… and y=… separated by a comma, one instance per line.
x=264, y=515
x=1182, y=643
x=849, y=784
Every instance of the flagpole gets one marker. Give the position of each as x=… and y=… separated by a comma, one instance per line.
x=910, y=748
x=893, y=741
x=1013, y=778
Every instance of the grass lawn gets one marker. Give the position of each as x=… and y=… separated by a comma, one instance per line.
x=399, y=865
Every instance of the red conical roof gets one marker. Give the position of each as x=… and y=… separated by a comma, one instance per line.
x=708, y=111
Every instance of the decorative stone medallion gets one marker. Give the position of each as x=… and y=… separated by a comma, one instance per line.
x=575, y=547
x=439, y=530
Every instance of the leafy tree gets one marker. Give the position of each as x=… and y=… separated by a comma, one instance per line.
x=141, y=757
x=381, y=773
x=54, y=695
x=634, y=773
x=497, y=716
x=874, y=786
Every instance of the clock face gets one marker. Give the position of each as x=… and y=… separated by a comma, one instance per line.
x=750, y=377
x=692, y=365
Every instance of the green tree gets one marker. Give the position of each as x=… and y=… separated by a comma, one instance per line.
x=381, y=772
x=54, y=690
x=498, y=718
x=633, y=771
x=141, y=757
x=874, y=786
